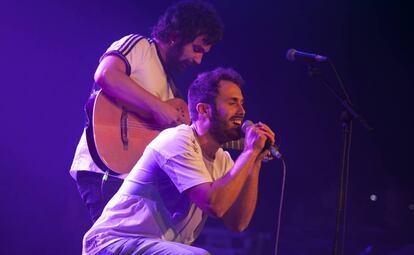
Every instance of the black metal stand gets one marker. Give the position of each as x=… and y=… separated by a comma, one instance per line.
x=340, y=228
x=347, y=116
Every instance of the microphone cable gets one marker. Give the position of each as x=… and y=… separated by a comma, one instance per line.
x=282, y=194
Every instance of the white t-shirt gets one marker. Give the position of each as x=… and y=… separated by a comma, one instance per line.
x=151, y=202
x=143, y=66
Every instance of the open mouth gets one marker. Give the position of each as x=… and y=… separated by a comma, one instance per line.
x=237, y=121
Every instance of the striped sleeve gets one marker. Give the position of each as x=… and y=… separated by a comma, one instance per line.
x=122, y=48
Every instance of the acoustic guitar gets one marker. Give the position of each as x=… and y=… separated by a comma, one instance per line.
x=116, y=136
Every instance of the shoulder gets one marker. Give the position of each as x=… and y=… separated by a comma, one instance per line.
x=182, y=131
x=176, y=140
x=130, y=42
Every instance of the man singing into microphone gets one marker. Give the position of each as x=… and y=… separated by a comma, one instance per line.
x=184, y=176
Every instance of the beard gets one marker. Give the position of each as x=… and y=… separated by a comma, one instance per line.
x=221, y=130
x=173, y=61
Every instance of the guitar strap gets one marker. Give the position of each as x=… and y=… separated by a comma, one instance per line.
x=170, y=78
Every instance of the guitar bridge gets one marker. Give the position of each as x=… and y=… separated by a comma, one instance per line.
x=124, y=128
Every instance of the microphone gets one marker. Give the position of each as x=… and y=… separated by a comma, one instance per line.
x=293, y=54
x=274, y=150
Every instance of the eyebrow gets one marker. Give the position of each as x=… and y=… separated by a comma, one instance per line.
x=237, y=99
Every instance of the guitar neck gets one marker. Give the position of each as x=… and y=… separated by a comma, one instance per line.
x=234, y=145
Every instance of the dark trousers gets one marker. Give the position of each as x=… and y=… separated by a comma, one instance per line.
x=95, y=192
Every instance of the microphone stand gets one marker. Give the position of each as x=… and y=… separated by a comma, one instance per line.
x=348, y=114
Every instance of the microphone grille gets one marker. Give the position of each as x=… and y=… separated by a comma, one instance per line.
x=290, y=55
x=246, y=124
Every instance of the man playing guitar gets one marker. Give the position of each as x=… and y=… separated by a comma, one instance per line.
x=134, y=76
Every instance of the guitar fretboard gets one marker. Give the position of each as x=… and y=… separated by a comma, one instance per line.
x=234, y=145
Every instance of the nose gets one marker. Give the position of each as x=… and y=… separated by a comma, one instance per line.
x=198, y=58
x=241, y=110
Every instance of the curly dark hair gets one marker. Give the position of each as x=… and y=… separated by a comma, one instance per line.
x=205, y=87
x=188, y=19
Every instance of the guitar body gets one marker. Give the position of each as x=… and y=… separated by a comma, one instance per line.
x=117, y=137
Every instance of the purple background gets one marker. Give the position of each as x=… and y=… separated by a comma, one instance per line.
x=50, y=50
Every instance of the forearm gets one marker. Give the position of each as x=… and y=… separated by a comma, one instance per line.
x=239, y=215
x=225, y=191
x=117, y=84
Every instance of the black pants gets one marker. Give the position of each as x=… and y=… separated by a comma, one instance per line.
x=95, y=192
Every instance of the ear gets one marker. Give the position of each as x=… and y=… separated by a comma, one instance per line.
x=204, y=110
x=173, y=40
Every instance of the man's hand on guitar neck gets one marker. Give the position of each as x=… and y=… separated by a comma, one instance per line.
x=167, y=115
